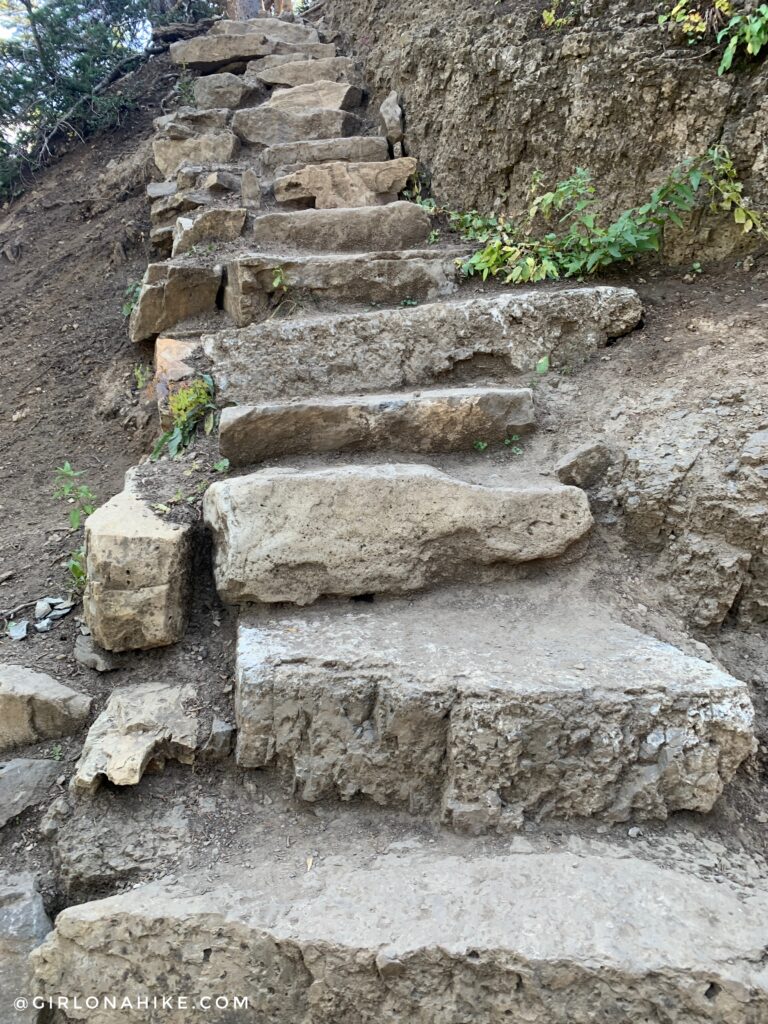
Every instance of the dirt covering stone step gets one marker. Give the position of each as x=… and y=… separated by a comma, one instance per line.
x=341, y=183
x=485, y=338
x=289, y=156
x=486, y=708
x=440, y=420
x=256, y=283
x=423, y=932
x=288, y=535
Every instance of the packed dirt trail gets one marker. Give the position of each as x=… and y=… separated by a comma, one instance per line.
x=408, y=688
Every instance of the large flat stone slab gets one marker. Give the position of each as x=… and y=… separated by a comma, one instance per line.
x=390, y=349
x=396, y=226
x=322, y=95
x=341, y=184
x=304, y=72
x=25, y=782
x=286, y=535
x=138, y=571
x=220, y=224
x=431, y=935
x=171, y=293
x=487, y=709
x=271, y=126
x=207, y=53
x=35, y=707
x=356, y=149
x=213, y=147
x=446, y=420
x=253, y=284
x=23, y=926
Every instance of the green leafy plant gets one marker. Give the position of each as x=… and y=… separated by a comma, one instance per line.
x=222, y=466
x=142, y=375
x=511, y=444
x=480, y=446
x=185, y=87
x=695, y=18
x=77, y=494
x=130, y=298
x=744, y=32
x=562, y=234
x=560, y=14
x=190, y=407
x=56, y=752
x=718, y=21
x=433, y=237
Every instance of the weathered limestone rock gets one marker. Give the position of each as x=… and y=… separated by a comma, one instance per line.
x=396, y=226
x=304, y=72
x=174, y=365
x=317, y=96
x=221, y=181
x=342, y=184
x=439, y=934
x=428, y=421
x=188, y=121
x=23, y=926
x=285, y=31
x=755, y=450
x=225, y=90
x=586, y=465
x=151, y=722
x=268, y=125
x=392, y=119
x=137, y=576
x=356, y=149
x=273, y=60
x=250, y=189
x=439, y=705
x=34, y=707
x=283, y=535
x=410, y=276
x=213, y=147
x=171, y=293
x=410, y=347
x=206, y=53
x=24, y=782
x=219, y=224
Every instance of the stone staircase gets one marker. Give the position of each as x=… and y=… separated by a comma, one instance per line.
x=441, y=670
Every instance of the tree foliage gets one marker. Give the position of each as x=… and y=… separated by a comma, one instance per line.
x=57, y=61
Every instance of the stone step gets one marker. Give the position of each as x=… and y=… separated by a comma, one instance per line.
x=316, y=95
x=304, y=72
x=345, y=184
x=213, y=51
x=254, y=282
x=270, y=125
x=288, y=535
x=398, y=225
x=440, y=934
x=486, y=708
x=490, y=337
x=445, y=420
x=291, y=156
x=171, y=293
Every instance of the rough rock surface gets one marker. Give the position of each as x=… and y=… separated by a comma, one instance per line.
x=342, y=184
x=269, y=125
x=429, y=935
x=585, y=465
x=427, y=421
x=207, y=53
x=437, y=705
x=35, y=707
x=172, y=293
x=396, y=348
x=217, y=225
x=316, y=96
x=213, y=147
x=149, y=722
x=304, y=72
x=136, y=594
x=298, y=154
x=396, y=226
x=415, y=275
x=519, y=99
x=23, y=926
x=224, y=90
x=24, y=782
x=282, y=535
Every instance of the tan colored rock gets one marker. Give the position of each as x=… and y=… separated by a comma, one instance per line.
x=316, y=96
x=342, y=184
x=395, y=226
x=188, y=121
x=226, y=90
x=295, y=155
x=35, y=707
x=174, y=365
x=304, y=72
x=138, y=567
x=436, y=705
x=221, y=181
x=408, y=347
x=254, y=68
x=392, y=119
x=272, y=28
x=170, y=294
x=206, y=53
x=427, y=421
x=445, y=933
x=286, y=535
x=151, y=722
x=25, y=782
x=214, y=147
x=250, y=189
x=586, y=465
x=220, y=224
x=270, y=126
x=23, y=926
x=415, y=275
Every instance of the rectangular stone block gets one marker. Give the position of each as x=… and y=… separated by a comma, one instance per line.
x=271, y=126
x=396, y=226
x=171, y=293
x=207, y=53
x=445, y=420
x=292, y=155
